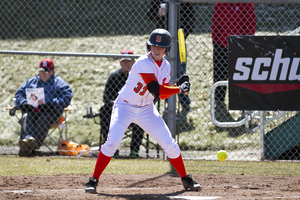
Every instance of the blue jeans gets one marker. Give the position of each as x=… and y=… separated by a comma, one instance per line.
x=37, y=125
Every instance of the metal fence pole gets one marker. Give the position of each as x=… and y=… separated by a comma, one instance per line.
x=173, y=15
x=262, y=134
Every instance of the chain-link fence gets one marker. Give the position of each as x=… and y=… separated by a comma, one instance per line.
x=97, y=31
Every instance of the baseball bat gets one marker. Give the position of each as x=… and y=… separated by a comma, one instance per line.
x=182, y=51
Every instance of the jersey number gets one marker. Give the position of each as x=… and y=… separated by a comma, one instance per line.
x=140, y=87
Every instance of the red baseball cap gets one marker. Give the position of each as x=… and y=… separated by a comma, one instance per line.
x=127, y=51
x=46, y=65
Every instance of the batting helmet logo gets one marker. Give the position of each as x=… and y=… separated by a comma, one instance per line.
x=160, y=37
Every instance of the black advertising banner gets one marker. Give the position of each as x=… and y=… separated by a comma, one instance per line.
x=264, y=73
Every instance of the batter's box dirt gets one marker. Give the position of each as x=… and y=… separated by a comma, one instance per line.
x=157, y=186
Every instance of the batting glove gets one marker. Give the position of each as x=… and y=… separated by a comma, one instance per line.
x=184, y=87
x=182, y=79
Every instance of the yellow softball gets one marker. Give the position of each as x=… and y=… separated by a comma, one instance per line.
x=222, y=155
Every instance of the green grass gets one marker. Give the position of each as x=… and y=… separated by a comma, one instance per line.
x=14, y=166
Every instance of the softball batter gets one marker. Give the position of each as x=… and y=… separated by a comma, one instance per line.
x=148, y=80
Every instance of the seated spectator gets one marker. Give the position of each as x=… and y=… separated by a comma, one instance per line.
x=114, y=83
x=42, y=100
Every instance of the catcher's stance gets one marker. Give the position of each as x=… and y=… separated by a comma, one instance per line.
x=148, y=80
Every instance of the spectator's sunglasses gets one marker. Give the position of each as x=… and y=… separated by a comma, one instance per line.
x=46, y=70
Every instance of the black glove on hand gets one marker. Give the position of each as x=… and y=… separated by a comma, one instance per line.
x=48, y=107
x=183, y=78
x=12, y=111
x=25, y=108
x=184, y=87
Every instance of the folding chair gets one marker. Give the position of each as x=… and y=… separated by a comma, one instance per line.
x=60, y=125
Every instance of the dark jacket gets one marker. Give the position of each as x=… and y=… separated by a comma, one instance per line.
x=56, y=90
x=114, y=84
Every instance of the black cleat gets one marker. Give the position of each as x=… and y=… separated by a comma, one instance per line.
x=188, y=182
x=91, y=186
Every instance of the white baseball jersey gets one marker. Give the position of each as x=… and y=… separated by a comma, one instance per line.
x=135, y=105
x=135, y=90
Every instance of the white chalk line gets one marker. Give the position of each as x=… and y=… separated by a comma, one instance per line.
x=172, y=197
x=65, y=190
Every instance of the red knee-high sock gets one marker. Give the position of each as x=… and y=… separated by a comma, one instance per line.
x=102, y=162
x=178, y=165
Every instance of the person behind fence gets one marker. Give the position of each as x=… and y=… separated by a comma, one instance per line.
x=228, y=19
x=114, y=84
x=158, y=12
x=42, y=100
x=148, y=80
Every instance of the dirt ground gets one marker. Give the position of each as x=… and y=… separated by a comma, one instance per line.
x=165, y=186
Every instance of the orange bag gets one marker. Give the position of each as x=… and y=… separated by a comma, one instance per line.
x=83, y=147
x=70, y=148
